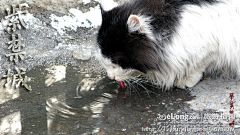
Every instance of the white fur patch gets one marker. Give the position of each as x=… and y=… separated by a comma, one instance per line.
x=208, y=37
x=114, y=71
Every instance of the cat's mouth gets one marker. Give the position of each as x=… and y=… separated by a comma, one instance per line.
x=121, y=84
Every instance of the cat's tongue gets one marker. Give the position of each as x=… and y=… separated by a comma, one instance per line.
x=121, y=83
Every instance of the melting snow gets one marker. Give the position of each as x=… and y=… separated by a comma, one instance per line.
x=1, y=28
x=77, y=18
x=86, y=1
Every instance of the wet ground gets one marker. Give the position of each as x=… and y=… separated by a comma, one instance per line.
x=69, y=99
x=72, y=95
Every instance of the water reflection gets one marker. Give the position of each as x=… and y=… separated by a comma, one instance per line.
x=64, y=119
x=7, y=91
x=97, y=106
x=78, y=109
x=56, y=74
x=77, y=100
x=11, y=124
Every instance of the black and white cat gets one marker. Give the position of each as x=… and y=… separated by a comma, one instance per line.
x=171, y=42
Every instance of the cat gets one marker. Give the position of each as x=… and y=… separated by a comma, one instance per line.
x=170, y=42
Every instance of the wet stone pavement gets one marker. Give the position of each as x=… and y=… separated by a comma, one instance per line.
x=71, y=94
x=68, y=100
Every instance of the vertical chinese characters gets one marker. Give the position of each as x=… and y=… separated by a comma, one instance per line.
x=15, y=46
x=15, y=77
x=231, y=111
x=14, y=18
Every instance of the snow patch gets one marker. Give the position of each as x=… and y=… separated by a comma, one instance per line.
x=77, y=18
x=29, y=19
x=25, y=5
x=86, y=1
x=1, y=28
x=107, y=4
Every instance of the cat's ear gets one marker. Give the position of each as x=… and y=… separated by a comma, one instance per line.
x=134, y=23
x=140, y=24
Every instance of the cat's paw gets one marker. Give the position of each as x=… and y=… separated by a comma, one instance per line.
x=189, y=81
x=192, y=82
x=181, y=84
x=193, y=79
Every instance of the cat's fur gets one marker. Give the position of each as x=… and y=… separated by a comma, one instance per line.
x=171, y=42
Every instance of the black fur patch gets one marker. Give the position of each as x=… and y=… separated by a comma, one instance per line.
x=135, y=50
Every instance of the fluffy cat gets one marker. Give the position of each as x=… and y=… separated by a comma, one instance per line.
x=170, y=42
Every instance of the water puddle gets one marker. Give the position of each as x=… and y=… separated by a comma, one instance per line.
x=68, y=99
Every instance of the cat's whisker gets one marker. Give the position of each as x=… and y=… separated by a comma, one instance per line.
x=147, y=90
x=137, y=82
x=132, y=87
x=148, y=83
x=141, y=80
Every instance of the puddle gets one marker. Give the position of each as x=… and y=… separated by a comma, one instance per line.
x=71, y=100
x=68, y=99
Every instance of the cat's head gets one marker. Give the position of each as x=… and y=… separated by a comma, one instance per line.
x=126, y=44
